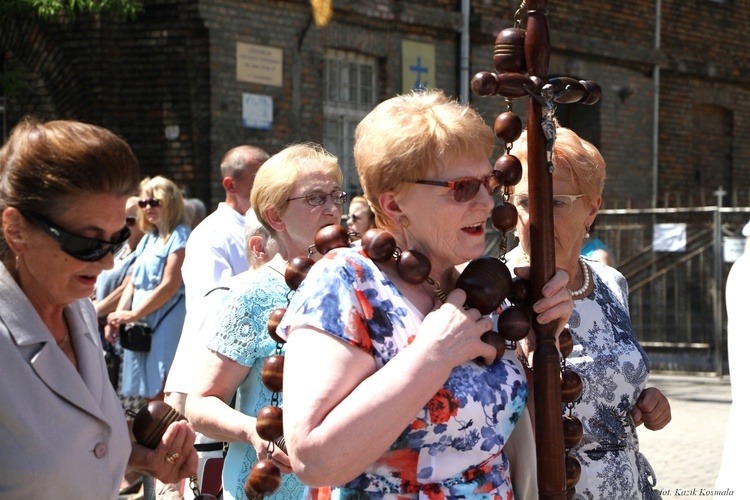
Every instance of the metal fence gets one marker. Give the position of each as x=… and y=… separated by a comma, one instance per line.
x=677, y=297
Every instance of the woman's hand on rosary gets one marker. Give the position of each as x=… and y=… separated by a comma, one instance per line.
x=455, y=333
x=556, y=303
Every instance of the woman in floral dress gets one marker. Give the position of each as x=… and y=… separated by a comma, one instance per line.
x=388, y=392
x=606, y=354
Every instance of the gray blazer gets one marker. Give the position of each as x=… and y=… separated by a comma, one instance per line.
x=62, y=432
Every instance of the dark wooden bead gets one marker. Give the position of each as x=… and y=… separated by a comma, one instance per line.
x=272, y=374
x=569, y=89
x=538, y=82
x=264, y=479
x=273, y=322
x=520, y=291
x=593, y=92
x=509, y=51
x=204, y=496
x=484, y=84
x=510, y=170
x=504, y=216
x=329, y=237
x=514, y=323
x=572, y=471
x=565, y=341
x=508, y=127
x=571, y=386
x=497, y=341
x=269, y=423
x=486, y=281
x=513, y=85
x=413, y=267
x=151, y=422
x=572, y=431
x=570, y=494
x=296, y=271
x=378, y=245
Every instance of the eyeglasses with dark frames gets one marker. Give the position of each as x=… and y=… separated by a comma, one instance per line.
x=562, y=204
x=79, y=247
x=317, y=198
x=152, y=202
x=466, y=188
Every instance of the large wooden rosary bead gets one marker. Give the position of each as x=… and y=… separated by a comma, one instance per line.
x=484, y=84
x=270, y=423
x=151, y=421
x=413, y=267
x=510, y=170
x=572, y=431
x=329, y=237
x=496, y=340
x=593, y=90
x=486, y=281
x=508, y=127
x=264, y=480
x=378, y=245
x=504, y=216
x=296, y=271
x=273, y=323
x=272, y=374
x=572, y=471
x=571, y=386
x=509, y=51
x=514, y=323
x=520, y=291
x=565, y=340
x=570, y=494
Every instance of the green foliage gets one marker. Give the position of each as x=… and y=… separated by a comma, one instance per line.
x=50, y=9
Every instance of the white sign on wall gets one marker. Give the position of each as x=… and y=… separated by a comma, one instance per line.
x=257, y=111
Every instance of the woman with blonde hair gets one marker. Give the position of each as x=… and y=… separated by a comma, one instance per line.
x=155, y=293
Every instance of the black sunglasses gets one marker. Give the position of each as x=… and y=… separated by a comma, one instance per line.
x=80, y=247
x=153, y=202
x=466, y=189
x=130, y=220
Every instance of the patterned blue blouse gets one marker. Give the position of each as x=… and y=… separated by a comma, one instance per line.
x=454, y=446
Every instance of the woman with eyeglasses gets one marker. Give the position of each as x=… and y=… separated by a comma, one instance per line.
x=63, y=186
x=612, y=364
x=383, y=393
x=155, y=293
x=295, y=193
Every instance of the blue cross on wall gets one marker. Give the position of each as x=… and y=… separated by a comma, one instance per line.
x=419, y=84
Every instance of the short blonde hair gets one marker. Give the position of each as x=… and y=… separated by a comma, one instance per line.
x=170, y=198
x=275, y=179
x=574, y=157
x=410, y=136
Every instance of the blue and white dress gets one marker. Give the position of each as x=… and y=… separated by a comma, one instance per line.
x=614, y=369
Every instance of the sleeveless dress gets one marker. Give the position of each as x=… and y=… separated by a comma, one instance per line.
x=242, y=335
x=454, y=447
x=143, y=373
x=614, y=369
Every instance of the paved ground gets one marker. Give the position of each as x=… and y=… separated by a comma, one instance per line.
x=686, y=454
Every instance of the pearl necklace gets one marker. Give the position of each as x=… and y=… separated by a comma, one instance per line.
x=586, y=279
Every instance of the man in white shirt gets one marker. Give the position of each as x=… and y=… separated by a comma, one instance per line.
x=216, y=247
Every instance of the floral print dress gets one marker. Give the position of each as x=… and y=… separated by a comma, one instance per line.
x=614, y=369
x=454, y=447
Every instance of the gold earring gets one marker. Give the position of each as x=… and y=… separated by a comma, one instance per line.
x=404, y=221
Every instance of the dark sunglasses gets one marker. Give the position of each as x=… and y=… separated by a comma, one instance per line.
x=80, y=247
x=130, y=220
x=153, y=202
x=466, y=189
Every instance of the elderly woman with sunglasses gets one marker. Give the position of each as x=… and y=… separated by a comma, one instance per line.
x=63, y=186
x=389, y=392
x=156, y=292
x=606, y=353
x=295, y=193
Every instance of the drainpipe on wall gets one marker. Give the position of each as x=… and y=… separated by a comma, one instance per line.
x=655, y=140
x=464, y=52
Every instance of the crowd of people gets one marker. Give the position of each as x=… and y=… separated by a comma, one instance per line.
x=390, y=390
